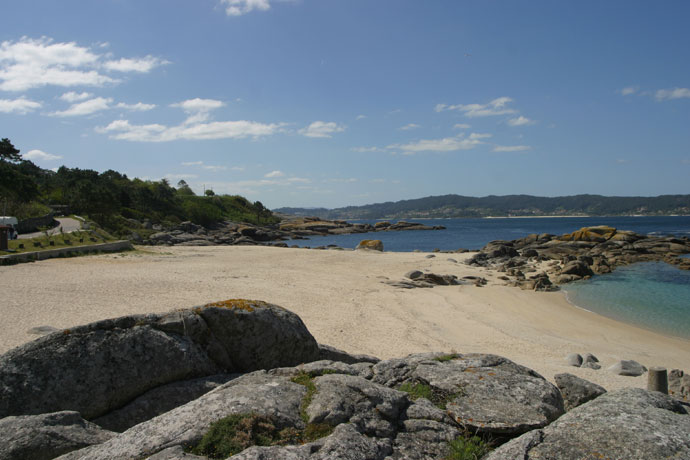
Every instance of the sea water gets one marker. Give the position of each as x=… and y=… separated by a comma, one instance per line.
x=653, y=295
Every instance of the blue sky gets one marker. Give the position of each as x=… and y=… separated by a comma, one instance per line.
x=345, y=102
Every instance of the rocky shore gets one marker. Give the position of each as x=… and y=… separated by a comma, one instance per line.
x=249, y=375
x=290, y=228
x=541, y=262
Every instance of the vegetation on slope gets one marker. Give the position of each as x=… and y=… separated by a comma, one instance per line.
x=111, y=198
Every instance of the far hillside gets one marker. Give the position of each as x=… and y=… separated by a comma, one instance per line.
x=454, y=206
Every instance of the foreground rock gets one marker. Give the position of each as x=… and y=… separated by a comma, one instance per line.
x=287, y=401
x=538, y=262
x=625, y=424
x=39, y=437
x=577, y=391
x=97, y=368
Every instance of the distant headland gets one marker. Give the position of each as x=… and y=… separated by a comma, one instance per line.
x=457, y=206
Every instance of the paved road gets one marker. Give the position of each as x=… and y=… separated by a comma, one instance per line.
x=66, y=223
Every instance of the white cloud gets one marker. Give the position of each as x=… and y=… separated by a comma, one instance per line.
x=367, y=149
x=89, y=107
x=38, y=155
x=138, y=107
x=141, y=65
x=480, y=135
x=448, y=144
x=360, y=117
x=322, y=129
x=199, y=105
x=32, y=63
x=73, y=96
x=628, y=90
x=20, y=105
x=124, y=130
x=409, y=127
x=495, y=107
x=675, y=93
x=349, y=180
x=511, y=148
x=208, y=167
x=192, y=163
x=461, y=126
x=520, y=121
x=275, y=174
x=240, y=7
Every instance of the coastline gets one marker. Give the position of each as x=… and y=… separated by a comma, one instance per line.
x=342, y=300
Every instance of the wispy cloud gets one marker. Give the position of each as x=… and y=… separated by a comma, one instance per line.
x=461, y=126
x=20, y=106
x=33, y=63
x=520, y=121
x=321, y=129
x=360, y=117
x=198, y=105
x=138, y=107
x=124, y=130
x=495, y=107
x=202, y=165
x=448, y=144
x=240, y=7
x=628, y=90
x=38, y=155
x=511, y=148
x=367, y=149
x=140, y=65
x=674, y=93
x=89, y=107
x=274, y=174
x=73, y=96
x=409, y=127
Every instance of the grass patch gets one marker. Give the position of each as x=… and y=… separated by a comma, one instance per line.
x=468, y=448
x=43, y=243
x=437, y=396
x=231, y=435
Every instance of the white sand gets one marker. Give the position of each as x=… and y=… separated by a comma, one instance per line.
x=340, y=297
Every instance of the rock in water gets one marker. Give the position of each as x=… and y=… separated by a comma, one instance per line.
x=577, y=391
x=45, y=436
x=626, y=424
x=100, y=367
x=374, y=245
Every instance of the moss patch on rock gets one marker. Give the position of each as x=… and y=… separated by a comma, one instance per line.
x=237, y=304
x=437, y=396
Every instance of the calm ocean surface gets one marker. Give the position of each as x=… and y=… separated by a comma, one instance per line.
x=652, y=295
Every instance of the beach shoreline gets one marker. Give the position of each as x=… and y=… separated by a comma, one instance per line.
x=342, y=298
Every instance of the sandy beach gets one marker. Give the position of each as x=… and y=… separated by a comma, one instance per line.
x=342, y=300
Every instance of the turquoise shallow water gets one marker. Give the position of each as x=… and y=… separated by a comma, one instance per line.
x=653, y=295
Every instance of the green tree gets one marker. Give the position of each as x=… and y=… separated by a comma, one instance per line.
x=8, y=152
x=210, y=192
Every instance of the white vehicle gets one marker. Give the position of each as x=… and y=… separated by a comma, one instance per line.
x=12, y=222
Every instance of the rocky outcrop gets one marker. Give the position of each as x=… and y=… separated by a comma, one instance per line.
x=484, y=393
x=679, y=384
x=624, y=424
x=574, y=256
x=576, y=391
x=372, y=245
x=234, y=233
x=100, y=367
x=628, y=368
x=45, y=436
